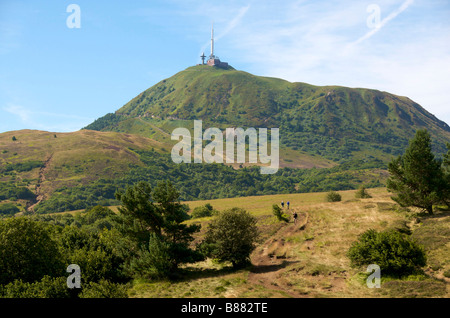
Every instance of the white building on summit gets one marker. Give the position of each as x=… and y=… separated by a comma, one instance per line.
x=213, y=60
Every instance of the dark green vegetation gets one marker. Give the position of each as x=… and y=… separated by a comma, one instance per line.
x=231, y=237
x=333, y=196
x=362, y=193
x=203, y=211
x=42, y=256
x=417, y=178
x=159, y=212
x=278, y=213
x=35, y=253
x=147, y=239
x=394, y=252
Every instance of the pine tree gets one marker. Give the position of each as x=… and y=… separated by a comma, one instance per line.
x=158, y=213
x=417, y=178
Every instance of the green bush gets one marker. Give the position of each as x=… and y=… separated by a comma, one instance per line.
x=97, y=213
x=203, y=211
x=104, y=289
x=276, y=210
x=231, y=236
x=333, y=196
x=362, y=193
x=47, y=287
x=393, y=251
x=95, y=264
x=8, y=209
x=24, y=166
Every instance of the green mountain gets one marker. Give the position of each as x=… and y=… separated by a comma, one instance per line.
x=330, y=122
x=332, y=138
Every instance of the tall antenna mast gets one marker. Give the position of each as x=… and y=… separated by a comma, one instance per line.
x=212, y=40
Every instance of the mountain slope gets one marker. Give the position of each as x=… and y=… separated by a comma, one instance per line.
x=333, y=122
x=44, y=162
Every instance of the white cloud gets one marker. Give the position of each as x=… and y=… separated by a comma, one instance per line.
x=47, y=120
x=19, y=111
x=390, y=17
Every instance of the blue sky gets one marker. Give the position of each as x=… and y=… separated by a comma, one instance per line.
x=60, y=79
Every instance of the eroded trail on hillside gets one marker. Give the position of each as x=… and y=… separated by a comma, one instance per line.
x=40, y=196
x=272, y=257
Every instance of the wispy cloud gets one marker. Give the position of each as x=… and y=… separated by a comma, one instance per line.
x=19, y=111
x=390, y=17
x=229, y=27
x=46, y=120
x=233, y=23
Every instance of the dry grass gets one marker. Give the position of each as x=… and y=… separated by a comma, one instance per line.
x=308, y=260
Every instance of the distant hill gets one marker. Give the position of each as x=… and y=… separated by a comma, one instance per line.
x=44, y=162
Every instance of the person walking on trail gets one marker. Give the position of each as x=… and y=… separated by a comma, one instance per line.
x=282, y=204
x=294, y=214
x=287, y=205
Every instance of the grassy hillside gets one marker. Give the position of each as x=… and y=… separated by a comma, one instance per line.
x=331, y=122
x=65, y=159
x=309, y=259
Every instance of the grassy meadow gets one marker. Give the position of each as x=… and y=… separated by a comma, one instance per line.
x=308, y=259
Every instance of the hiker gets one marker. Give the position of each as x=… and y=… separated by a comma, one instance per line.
x=287, y=205
x=282, y=204
x=294, y=214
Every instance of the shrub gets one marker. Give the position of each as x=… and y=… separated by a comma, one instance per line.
x=47, y=287
x=203, y=211
x=104, y=289
x=96, y=264
x=8, y=209
x=333, y=196
x=276, y=210
x=393, y=251
x=231, y=236
x=97, y=213
x=362, y=194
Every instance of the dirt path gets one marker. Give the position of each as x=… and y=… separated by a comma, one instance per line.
x=40, y=196
x=271, y=259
